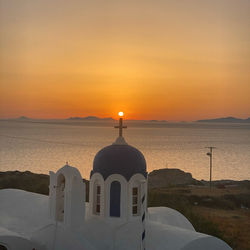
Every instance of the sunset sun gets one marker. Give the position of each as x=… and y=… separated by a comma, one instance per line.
x=120, y=113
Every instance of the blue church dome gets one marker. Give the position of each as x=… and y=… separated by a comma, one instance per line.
x=119, y=159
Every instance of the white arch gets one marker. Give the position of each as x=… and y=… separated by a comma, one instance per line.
x=135, y=181
x=124, y=200
x=74, y=196
x=96, y=179
x=69, y=171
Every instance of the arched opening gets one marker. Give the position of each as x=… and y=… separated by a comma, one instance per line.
x=115, y=199
x=60, y=197
x=97, y=199
x=2, y=247
x=137, y=188
x=135, y=201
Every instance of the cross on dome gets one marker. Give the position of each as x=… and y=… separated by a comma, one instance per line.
x=120, y=126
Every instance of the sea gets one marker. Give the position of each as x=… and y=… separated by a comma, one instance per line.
x=41, y=146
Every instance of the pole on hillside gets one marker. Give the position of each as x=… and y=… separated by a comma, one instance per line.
x=210, y=154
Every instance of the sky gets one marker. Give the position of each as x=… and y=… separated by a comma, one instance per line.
x=153, y=59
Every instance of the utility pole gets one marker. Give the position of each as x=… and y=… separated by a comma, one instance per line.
x=210, y=154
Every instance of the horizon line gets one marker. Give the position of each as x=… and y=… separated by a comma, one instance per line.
x=101, y=118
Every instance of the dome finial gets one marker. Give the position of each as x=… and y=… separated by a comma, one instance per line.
x=120, y=124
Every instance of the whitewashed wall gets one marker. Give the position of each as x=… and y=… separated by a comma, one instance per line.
x=126, y=195
x=74, y=196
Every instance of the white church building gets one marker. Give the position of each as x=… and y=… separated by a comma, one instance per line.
x=115, y=218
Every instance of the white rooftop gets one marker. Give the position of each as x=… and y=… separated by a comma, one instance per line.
x=24, y=215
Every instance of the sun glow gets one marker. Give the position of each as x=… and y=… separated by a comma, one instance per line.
x=137, y=68
x=120, y=114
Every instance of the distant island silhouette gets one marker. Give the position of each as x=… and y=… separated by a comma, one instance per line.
x=227, y=119
x=84, y=118
x=23, y=118
x=91, y=118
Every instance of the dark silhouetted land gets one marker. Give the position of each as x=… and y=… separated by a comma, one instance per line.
x=227, y=119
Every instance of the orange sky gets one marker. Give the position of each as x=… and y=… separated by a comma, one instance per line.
x=153, y=59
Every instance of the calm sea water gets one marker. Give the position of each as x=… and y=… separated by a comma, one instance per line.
x=41, y=147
